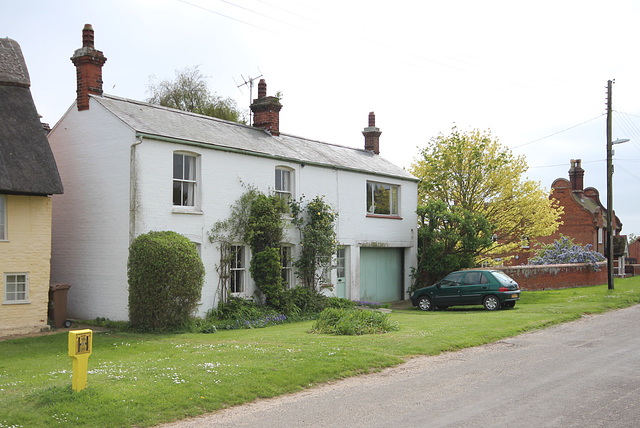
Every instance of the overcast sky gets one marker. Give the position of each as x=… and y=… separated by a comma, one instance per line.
x=533, y=73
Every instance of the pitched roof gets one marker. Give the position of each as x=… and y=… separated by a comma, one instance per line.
x=166, y=123
x=27, y=165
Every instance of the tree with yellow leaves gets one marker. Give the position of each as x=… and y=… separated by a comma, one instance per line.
x=474, y=172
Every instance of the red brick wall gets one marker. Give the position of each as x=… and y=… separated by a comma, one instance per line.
x=634, y=250
x=545, y=277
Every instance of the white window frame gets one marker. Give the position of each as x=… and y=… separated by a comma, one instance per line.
x=394, y=198
x=286, y=265
x=284, y=182
x=3, y=218
x=191, y=182
x=341, y=263
x=10, y=295
x=238, y=269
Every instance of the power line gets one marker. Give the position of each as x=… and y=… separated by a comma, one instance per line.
x=564, y=164
x=559, y=132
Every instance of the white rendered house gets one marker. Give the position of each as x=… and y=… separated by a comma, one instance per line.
x=129, y=167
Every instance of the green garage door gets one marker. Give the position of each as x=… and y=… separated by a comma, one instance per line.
x=380, y=274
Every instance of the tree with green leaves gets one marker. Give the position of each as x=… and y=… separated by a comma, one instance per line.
x=189, y=92
x=473, y=171
x=449, y=238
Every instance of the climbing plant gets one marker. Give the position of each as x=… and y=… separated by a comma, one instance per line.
x=316, y=223
x=256, y=219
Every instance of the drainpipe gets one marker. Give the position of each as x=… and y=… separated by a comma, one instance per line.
x=133, y=190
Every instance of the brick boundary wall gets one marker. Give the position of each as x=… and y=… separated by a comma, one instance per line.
x=553, y=277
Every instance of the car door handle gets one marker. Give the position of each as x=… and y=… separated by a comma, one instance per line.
x=484, y=288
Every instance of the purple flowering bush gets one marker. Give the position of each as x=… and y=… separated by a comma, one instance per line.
x=563, y=251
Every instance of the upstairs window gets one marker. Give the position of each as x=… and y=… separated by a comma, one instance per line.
x=283, y=183
x=3, y=218
x=184, y=180
x=382, y=198
x=16, y=288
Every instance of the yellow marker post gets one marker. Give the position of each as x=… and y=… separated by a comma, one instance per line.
x=80, y=343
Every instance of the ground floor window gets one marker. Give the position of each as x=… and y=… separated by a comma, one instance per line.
x=16, y=287
x=285, y=266
x=238, y=269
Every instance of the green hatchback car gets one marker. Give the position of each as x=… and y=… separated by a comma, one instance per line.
x=492, y=288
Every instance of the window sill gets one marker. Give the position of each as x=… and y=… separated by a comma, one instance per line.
x=17, y=302
x=392, y=217
x=186, y=210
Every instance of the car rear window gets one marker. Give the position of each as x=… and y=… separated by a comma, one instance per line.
x=503, y=277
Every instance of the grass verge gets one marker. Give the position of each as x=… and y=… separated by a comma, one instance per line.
x=144, y=380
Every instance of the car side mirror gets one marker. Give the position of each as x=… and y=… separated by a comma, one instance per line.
x=438, y=285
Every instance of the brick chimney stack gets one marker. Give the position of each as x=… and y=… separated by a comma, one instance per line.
x=266, y=110
x=576, y=176
x=372, y=135
x=88, y=62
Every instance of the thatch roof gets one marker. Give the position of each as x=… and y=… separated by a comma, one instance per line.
x=27, y=165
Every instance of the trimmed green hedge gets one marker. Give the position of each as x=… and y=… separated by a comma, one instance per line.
x=165, y=276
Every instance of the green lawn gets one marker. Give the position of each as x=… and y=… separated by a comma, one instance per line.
x=144, y=380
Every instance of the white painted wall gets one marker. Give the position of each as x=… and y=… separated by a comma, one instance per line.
x=95, y=218
x=90, y=221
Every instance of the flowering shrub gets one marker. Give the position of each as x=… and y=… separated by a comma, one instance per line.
x=564, y=250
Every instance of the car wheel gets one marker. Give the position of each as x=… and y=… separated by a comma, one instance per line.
x=424, y=303
x=491, y=303
x=508, y=304
x=442, y=308
x=67, y=324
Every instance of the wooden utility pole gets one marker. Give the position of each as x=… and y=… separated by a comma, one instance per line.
x=609, y=191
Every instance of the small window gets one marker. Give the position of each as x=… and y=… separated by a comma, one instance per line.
x=283, y=183
x=341, y=264
x=16, y=287
x=184, y=180
x=525, y=242
x=285, y=266
x=382, y=198
x=238, y=269
x=3, y=218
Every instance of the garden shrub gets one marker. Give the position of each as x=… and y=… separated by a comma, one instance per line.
x=340, y=303
x=353, y=322
x=165, y=275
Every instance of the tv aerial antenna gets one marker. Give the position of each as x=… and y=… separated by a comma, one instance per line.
x=248, y=82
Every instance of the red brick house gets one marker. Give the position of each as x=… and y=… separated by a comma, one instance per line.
x=634, y=252
x=584, y=219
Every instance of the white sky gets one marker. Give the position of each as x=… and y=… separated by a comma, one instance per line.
x=530, y=72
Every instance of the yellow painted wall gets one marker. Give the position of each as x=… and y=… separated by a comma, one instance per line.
x=27, y=249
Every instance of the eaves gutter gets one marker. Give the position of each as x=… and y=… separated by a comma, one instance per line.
x=266, y=155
